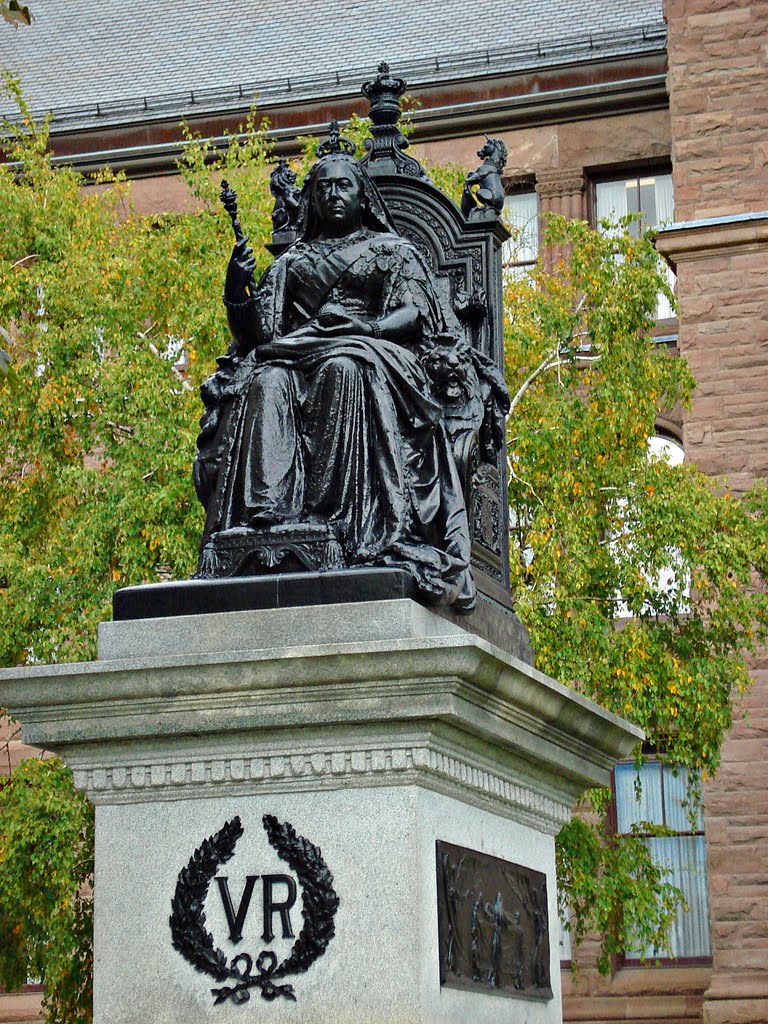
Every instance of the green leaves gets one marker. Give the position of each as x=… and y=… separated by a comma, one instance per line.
x=97, y=306
x=604, y=531
x=639, y=580
x=46, y=877
x=609, y=886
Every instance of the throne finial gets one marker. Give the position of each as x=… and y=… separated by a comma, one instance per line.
x=385, y=149
x=384, y=94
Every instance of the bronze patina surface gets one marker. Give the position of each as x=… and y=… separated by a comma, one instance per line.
x=492, y=924
x=357, y=420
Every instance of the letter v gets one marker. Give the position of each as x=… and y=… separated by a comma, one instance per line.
x=236, y=920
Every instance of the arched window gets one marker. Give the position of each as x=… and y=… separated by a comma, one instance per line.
x=664, y=446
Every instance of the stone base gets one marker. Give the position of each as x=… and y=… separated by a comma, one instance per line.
x=254, y=593
x=398, y=730
x=492, y=620
x=381, y=966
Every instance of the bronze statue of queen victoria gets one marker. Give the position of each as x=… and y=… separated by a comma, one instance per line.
x=324, y=442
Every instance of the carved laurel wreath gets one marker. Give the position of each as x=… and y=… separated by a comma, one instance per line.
x=195, y=943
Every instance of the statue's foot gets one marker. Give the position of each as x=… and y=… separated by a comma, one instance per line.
x=266, y=518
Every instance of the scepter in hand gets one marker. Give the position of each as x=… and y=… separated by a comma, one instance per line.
x=240, y=273
x=229, y=202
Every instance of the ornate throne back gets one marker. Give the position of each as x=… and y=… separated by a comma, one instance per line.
x=466, y=258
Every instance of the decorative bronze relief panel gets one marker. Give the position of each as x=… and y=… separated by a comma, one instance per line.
x=493, y=926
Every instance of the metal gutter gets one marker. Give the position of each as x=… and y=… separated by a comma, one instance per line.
x=714, y=222
x=573, y=103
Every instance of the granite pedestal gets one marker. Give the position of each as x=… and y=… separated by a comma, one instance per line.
x=375, y=730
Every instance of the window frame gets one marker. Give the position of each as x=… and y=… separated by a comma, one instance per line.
x=666, y=329
x=566, y=963
x=523, y=185
x=658, y=961
x=30, y=988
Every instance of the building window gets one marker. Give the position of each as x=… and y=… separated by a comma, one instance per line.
x=663, y=446
x=670, y=584
x=651, y=196
x=564, y=940
x=521, y=215
x=657, y=796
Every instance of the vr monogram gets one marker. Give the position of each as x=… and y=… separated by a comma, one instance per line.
x=190, y=937
x=236, y=919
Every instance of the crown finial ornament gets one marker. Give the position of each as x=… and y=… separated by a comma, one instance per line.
x=385, y=150
x=335, y=143
x=384, y=94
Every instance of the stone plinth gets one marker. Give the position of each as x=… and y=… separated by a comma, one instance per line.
x=399, y=730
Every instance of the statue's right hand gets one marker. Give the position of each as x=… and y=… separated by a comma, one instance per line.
x=240, y=271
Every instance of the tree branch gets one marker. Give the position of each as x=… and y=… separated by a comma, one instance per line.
x=551, y=360
x=30, y=256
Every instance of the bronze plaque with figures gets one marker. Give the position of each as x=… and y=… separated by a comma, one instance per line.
x=493, y=924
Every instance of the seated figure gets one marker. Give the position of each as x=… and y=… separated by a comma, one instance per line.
x=322, y=420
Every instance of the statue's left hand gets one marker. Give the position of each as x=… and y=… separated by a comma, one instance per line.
x=335, y=320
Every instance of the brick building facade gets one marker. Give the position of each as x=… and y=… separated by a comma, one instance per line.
x=719, y=121
x=582, y=94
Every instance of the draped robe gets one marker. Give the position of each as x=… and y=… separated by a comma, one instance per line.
x=341, y=429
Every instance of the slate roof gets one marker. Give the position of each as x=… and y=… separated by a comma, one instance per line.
x=97, y=64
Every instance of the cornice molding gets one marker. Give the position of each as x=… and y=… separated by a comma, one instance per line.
x=432, y=764
x=693, y=241
x=449, y=712
x=458, y=677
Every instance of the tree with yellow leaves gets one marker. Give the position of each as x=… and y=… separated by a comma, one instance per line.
x=109, y=324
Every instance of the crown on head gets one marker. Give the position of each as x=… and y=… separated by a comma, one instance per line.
x=335, y=143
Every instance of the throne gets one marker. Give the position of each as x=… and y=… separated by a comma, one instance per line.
x=464, y=251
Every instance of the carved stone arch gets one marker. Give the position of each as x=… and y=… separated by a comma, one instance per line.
x=666, y=426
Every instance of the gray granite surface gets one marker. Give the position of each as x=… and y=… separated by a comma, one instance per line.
x=374, y=730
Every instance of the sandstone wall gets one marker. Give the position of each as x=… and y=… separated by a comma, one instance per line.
x=719, y=112
x=719, y=105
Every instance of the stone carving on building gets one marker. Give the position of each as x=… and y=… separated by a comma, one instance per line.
x=561, y=191
x=346, y=423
